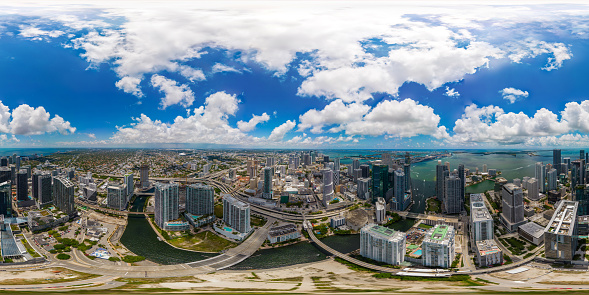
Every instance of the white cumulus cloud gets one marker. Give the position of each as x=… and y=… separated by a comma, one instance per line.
x=253, y=122
x=512, y=95
x=279, y=132
x=173, y=94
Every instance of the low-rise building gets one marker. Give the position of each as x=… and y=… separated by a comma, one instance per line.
x=438, y=246
x=283, y=233
x=382, y=244
x=337, y=221
x=488, y=253
x=40, y=220
x=532, y=232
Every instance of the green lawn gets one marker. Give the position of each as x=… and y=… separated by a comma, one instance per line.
x=205, y=241
x=255, y=221
x=219, y=211
x=433, y=205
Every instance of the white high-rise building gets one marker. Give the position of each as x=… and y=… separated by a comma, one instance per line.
x=363, y=189
x=438, y=246
x=485, y=168
x=130, y=185
x=236, y=214
x=380, y=210
x=336, y=170
x=166, y=203
x=552, y=177
x=382, y=244
x=533, y=191
x=481, y=222
x=541, y=176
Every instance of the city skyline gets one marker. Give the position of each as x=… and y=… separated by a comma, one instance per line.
x=382, y=75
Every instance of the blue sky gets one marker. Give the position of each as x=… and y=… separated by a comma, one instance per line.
x=288, y=74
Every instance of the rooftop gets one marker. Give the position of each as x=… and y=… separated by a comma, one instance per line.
x=486, y=247
x=440, y=234
x=564, y=218
x=532, y=229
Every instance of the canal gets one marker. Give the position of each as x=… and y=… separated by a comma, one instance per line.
x=140, y=239
x=298, y=253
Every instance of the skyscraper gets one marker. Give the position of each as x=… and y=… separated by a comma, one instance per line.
x=129, y=184
x=63, y=195
x=117, y=197
x=364, y=171
x=3, y=161
x=44, y=189
x=267, y=189
x=144, y=176
x=200, y=199
x=336, y=169
x=407, y=171
x=462, y=176
x=399, y=190
x=327, y=186
x=166, y=203
x=577, y=173
x=541, y=176
x=380, y=185
x=22, y=186
x=551, y=178
x=236, y=214
x=556, y=160
x=6, y=199
x=355, y=164
x=453, y=202
x=513, y=206
x=5, y=174
x=440, y=180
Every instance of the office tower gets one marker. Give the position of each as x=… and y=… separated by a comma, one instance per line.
x=581, y=154
x=551, y=178
x=387, y=159
x=17, y=163
x=533, y=192
x=365, y=171
x=447, y=164
x=267, y=189
x=236, y=214
x=144, y=176
x=166, y=203
x=13, y=174
x=438, y=246
x=200, y=199
x=270, y=162
x=325, y=159
x=517, y=182
x=232, y=173
x=363, y=188
x=561, y=233
x=462, y=176
x=567, y=165
x=35, y=185
x=407, y=171
x=556, y=160
x=22, y=186
x=581, y=196
x=453, y=202
x=14, y=159
x=440, y=180
x=327, y=186
x=513, y=207
x=306, y=160
x=402, y=200
x=380, y=177
x=336, y=170
x=44, y=189
x=355, y=164
x=578, y=173
x=541, y=176
x=117, y=197
x=382, y=244
x=129, y=184
x=252, y=170
x=71, y=173
x=6, y=199
x=63, y=195
x=5, y=174
x=3, y=162
x=481, y=222
x=485, y=168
